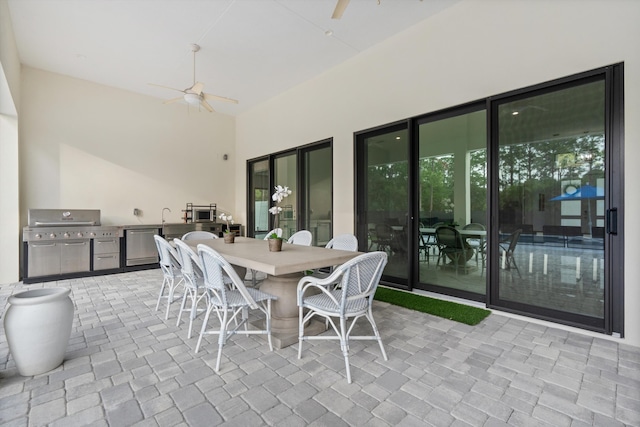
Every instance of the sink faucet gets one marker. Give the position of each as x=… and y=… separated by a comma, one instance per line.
x=164, y=209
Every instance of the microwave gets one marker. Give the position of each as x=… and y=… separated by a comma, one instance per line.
x=203, y=214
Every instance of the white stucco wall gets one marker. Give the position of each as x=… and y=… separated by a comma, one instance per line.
x=471, y=51
x=9, y=185
x=84, y=145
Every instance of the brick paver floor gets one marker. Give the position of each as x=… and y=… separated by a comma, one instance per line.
x=125, y=365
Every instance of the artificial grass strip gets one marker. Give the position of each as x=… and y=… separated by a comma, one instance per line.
x=447, y=309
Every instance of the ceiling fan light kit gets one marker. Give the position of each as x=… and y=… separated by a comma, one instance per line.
x=193, y=95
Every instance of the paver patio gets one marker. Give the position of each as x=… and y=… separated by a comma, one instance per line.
x=125, y=365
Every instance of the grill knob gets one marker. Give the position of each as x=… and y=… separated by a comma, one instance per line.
x=79, y=234
x=66, y=234
x=92, y=234
x=52, y=235
x=38, y=236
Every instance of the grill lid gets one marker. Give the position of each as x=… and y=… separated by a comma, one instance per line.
x=63, y=217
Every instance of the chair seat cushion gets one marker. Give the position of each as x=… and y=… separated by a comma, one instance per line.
x=235, y=298
x=324, y=303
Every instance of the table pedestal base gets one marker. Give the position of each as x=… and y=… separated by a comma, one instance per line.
x=284, y=311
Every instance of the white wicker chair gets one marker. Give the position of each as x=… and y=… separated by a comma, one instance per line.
x=353, y=299
x=199, y=235
x=344, y=242
x=229, y=304
x=193, y=281
x=171, y=272
x=278, y=232
x=302, y=238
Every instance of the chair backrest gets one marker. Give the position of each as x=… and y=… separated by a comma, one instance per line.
x=169, y=258
x=360, y=277
x=514, y=241
x=302, y=237
x=278, y=232
x=191, y=267
x=449, y=237
x=344, y=242
x=384, y=231
x=199, y=235
x=473, y=226
x=214, y=267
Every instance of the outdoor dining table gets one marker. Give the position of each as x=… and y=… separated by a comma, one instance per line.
x=284, y=270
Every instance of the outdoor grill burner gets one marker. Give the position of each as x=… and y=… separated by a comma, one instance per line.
x=63, y=243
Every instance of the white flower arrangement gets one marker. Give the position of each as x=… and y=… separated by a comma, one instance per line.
x=228, y=219
x=278, y=196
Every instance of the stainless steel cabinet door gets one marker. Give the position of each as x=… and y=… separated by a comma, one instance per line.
x=74, y=256
x=44, y=259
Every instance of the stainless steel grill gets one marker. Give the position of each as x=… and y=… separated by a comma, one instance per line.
x=62, y=243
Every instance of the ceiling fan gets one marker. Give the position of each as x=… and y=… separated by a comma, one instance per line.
x=194, y=95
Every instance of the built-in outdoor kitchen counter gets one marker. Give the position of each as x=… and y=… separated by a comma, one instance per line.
x=62, y=244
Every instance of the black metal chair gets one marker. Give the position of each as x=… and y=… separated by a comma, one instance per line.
x=384, y=237
x=507, y=248
x=451, y=245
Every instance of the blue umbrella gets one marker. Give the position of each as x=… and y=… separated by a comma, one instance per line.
x=584, y=192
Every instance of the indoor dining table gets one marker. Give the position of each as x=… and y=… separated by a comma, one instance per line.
x=284, y=270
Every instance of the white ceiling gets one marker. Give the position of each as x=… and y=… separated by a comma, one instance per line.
x=251, y=50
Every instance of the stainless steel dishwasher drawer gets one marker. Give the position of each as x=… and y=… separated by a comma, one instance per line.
x=141, y=247
x=106, y=253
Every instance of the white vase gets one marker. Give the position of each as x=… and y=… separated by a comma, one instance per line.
x=38, y=326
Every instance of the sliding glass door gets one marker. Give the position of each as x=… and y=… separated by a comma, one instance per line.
x=384, y=222
x=308, y=172
x=259, y=198
x=452, y=202
x=551, y=156
x=515, y=200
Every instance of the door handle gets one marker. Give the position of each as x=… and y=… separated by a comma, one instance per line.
x=76, y=244
x=612, y=221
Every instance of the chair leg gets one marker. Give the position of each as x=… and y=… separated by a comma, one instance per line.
x=204, y=326
x=300, y=331
x=344, y=346
x=369, y=316
x=222, y=338
x=182, y=304
x=170, y=297
x=268, y=324
x=164, y=283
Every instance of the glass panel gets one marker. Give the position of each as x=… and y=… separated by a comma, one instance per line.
x=286, y=174
x=386, y=204
x=453, y=193
x=260, y=198
x=551, y=200
x=318, y=200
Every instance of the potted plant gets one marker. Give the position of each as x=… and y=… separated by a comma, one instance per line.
x=275, y=241
x=229, y=236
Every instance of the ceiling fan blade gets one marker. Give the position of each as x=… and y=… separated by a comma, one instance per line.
x=197, y=88
x=219, y=98
x=165, y=87
x=206, y=105
x=339, y=10
x=169, y=101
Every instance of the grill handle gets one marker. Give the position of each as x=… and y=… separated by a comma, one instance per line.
x=57, y=223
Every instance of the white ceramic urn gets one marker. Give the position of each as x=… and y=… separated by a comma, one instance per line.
x=38, y=326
